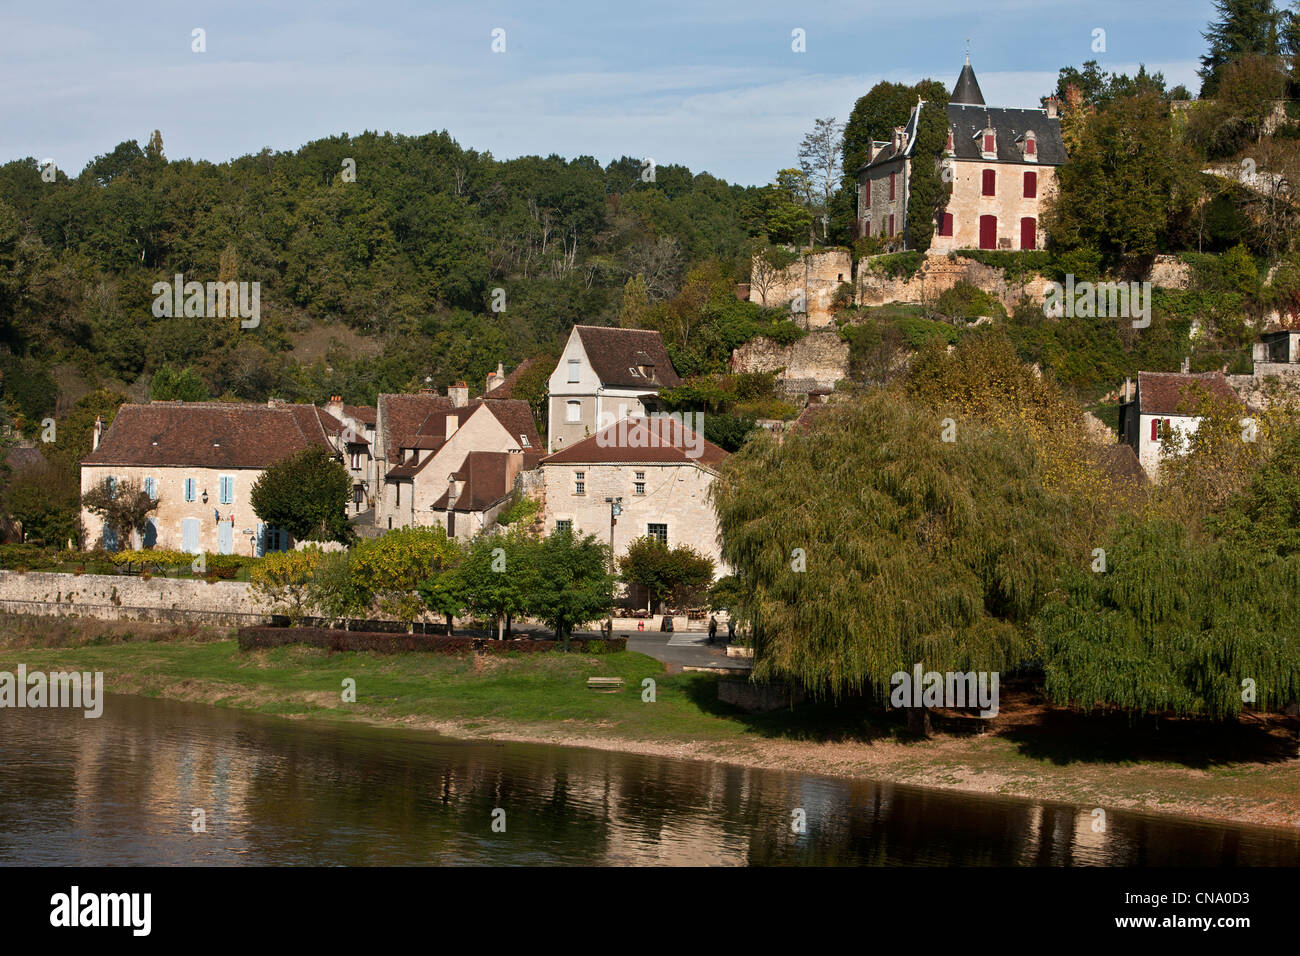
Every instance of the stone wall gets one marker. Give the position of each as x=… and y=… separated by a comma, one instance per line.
x=821, y=358
x=816, y=275
x=938, y=274
x=1254, y=389
x=130, y=598
x=758, y=698
x=1170, y=272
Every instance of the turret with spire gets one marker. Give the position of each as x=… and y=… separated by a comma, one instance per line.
x=967, y=90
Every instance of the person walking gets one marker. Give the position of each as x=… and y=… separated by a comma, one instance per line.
x=731, y=631
x=713, y=628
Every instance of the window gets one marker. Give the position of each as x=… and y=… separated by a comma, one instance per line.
x=398, y=486
x=892, y=178
x=945, y=227
x=1031, y=185
x=579, y=482
x=638, y=485
x=189, y=489
x=226, y=485
x=573, y=370
x=659, y=531
x=949, y=145
x=1031, y=147
x=990, y=182
x=524, y=442
x=564, y=525
x=151, y=489
x=891, y=224
x=990, y=143
x=356, y=461
x=111, y=482
x=573, y=411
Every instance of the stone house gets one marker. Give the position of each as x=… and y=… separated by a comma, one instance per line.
x=356, y=440
x=1001, y=163
x=603, y=376
x=1165, y=401
x=200, y=461
x=657, y=470
x=449, y=461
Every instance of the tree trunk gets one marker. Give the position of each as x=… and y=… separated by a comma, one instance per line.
x=918, y=721
x=501, y=627
x=449, y=625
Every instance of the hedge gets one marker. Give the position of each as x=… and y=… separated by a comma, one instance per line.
x=332, y=639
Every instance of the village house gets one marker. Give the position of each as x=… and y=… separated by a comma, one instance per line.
x=655, y=471
x=1001, y=163
x=1163, y=401
x=449, y=461
x=200, y=461
x=604, y=375
x=356, y=440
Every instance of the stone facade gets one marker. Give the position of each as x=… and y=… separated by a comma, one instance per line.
x=937, y=274
x=676, y=495
x=821, y=358
x=813, y=279
x=1009, y=207
x=217, y=527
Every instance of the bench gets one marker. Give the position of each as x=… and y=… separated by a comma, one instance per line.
x=605, y=684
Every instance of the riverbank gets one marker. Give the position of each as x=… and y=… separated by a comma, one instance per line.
x=1245, y=772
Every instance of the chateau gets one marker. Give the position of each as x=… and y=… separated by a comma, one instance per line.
x=1001, y=163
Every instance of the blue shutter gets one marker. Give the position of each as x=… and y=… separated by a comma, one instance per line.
x=112, y=485
x=110, y=539
x=189, y=489
x=227, y=490
x=151, y=488
x=261, y=540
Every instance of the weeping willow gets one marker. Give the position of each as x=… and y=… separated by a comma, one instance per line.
x=1176, y=625
x=870, y=544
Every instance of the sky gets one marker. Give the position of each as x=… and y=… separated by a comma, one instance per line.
x=716, y=86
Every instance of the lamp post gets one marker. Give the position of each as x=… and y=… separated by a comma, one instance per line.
x=615, y=509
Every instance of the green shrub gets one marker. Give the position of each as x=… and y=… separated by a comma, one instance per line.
x=897, y=265
x=967, y=301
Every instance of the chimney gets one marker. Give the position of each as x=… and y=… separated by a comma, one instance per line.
x=99, y=431
x=335, y=405
x=459, y=395
x=1053, y=107
x=900, y=138
x=453, y=422
x=428, y=390
x=494, y=379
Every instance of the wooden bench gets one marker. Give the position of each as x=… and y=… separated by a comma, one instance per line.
x=606, y=685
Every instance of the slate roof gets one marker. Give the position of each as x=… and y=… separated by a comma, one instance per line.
x=615, y=354
x=640, y=440
x=1175, y=393
x=967, y=89
x=968, y=123
x=209, y=434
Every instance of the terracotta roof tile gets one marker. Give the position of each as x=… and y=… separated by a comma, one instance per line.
x=208, y=434
x=635, y=440
x=1175, y=393
x=616, y=353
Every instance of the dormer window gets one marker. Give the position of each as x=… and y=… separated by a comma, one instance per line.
x=1029, y=146
x=990, y=143
x=948, y=147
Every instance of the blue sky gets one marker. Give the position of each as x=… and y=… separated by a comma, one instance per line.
x=713, y=85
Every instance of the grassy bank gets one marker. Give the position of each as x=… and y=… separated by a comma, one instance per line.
x=1247, y=771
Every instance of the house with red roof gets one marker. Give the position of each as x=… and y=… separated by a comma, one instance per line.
x=200, y=460
x=604, y=375
x=650, y=475
x=1165, y=404
x=445, y=460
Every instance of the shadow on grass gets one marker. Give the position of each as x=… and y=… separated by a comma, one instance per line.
x=1036, y=728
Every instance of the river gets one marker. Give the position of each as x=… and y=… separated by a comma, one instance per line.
x=122, y=789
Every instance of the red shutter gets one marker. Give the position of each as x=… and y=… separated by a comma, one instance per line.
x=949, y=146
x=1155, y=429
x=1028, y=233
x=945, y=229
x=990, y=182
x=891, y=223
x=1031, y=185
x=988, y=232
x=1029, y=146
x=990, y=144
x=891, y=186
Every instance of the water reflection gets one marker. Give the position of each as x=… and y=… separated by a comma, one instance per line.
x=121, y=790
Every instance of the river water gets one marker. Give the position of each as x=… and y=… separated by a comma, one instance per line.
x=123, y=789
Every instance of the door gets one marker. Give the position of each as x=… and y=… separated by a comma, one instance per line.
x=988, y=232
x=150, y=539
x=190, y=535
x=1028, y=233
x=225, y=537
